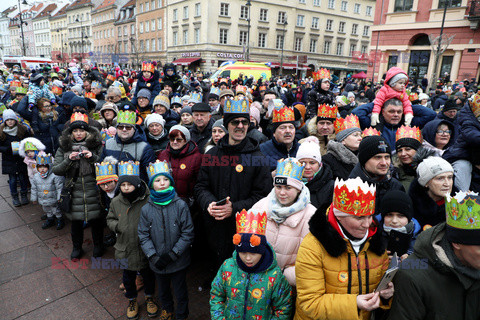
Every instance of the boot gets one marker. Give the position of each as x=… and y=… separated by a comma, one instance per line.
x=15, y=201
x=50, y=222
x=44, y=217
x=97, y=251
x=60, y=223
x=24, y=199
x=97, y=237
x=152, y=308
x=132, y=309
x=77, y=240
x=76, y=253
x=166, y=315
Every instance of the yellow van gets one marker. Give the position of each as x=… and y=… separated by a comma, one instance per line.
x=233, y=70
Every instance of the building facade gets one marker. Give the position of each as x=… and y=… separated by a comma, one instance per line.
x=41, y=30
x=59, y=36
x=150, y=43
x=5, y=39
x=21, y=30
x=126, y=33
x=79, y=29
x=402, y=33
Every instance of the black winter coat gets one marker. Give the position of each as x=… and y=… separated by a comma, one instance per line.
x=152, y=85
x=340, y=159
x=12, y=163
x=321, y=188
x=201, y=138
x=318, y=96
x=48, y=131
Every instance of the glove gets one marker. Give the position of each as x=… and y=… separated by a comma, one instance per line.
x=53, y=101
x=30, y=106
x=374, y=119
x=408, y=119
x=162, y=261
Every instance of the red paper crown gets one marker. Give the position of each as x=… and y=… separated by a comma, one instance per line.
x=15, y=84
x=327, y=111
x=409, y=132
x=354, y=197
x=148, y=66
x=413, y=96
x=251, y=222
x=321, y=74
x=111, y=77
x=284, y=114
x=371, y=132
x=90, y=95
x=350, y=121
x=78, y=116
x=57, y=91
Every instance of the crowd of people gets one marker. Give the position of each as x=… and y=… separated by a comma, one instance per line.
x=298, y=192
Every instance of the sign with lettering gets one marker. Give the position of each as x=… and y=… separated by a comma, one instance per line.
x=191, y=54
x=229, y=55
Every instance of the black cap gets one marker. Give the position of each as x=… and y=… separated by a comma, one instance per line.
x=201, y=107
x=449, y=105
x=396, y=201
x=371, y=146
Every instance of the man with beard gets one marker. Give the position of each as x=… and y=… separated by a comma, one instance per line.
x=201, y=131
x=283, y=143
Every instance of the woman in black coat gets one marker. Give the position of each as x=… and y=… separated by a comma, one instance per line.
x=47, y=124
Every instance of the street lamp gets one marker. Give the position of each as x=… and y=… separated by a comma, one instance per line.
x=81, y=43
x=21, y=26
x=249, y=4
x=283, y=45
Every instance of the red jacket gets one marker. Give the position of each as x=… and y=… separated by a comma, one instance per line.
x=386, y=93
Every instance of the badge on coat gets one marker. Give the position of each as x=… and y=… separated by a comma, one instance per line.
x=149, y=84
x=343, y=276
x=257, y=293
x=45, y=192
x=183, y=166
x=239, y=168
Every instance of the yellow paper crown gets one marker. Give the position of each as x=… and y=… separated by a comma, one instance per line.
x=371, y=132
x=327, y=111
x=111, y=77
x=78, y=116
x=90, y=95
x=283, y=114
x=236, y=106
x=321, y=74
x=409, y=132
x=350, y=121
x=475, y=105
x=354, y=197
x=251, y=222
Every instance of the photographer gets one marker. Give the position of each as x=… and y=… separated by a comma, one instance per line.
x=80, y=147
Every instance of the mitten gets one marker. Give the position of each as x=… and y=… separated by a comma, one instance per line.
x=408, y=119
x=30, y=106
x=374, y=119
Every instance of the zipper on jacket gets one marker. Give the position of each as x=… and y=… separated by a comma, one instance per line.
x=359, y=270
x=246, y=297
x=84, y=200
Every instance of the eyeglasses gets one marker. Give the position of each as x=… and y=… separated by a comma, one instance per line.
x=109, y=183
x=444, y=132
x=178, y=139
x=237, y=122
x=111, y=98
x=124, y=128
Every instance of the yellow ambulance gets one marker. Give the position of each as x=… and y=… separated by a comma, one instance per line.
x=234, y=69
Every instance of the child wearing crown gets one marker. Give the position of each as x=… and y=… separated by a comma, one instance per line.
x=46, y=190
x=148, y=78
x=251, y=285
x=28, y=150
x=165, y=232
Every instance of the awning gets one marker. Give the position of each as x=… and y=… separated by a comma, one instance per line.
x=185, y=61
x=289, y=66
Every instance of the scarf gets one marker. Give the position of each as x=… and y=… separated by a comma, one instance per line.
x=85, y=168
x=280, y=213
x=44, y=175
x=11, y=131
x=405, y=229
x=162, y=197
x=357, y=243
x=147, y=79
x=456, y=263
x=176, y=152
x=307, y=180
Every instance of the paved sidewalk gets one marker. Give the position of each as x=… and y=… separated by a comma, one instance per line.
x=34, y=285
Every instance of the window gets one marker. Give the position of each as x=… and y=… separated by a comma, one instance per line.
x=366, y=29
x=142, y=45
x=300, y=20
x=313, y=45
x=223, y=36
x=119, y=31
x=159, y=24
x=262, y=40
x=197, y=9
x=326, y=47
x=364, y=49
x=329, y=25
x=185, y=12
x=242, y=38
x=185, y=36
x=353, y=48
x=368, y=11
x=153, y=8
x=343, y=6
x=147, y=6
x=449, y=3
x=354, y=28
x=316, y=3
x=339, y=49
x=331, y=4
x=279, y=43
x=147, y=26
x=132, y=29
x=141, y=8
x=147, y=45
x=153, y=25
x=263, y=14
x=175, y=14
x=159, y=6
x=356, y=8
x=243, y=12
x=224, y=9
x=196, y=34
x=282, y=16
x=141, y=27
x=341, y=27
x=175, y=38
x=315, y=21
x=403, y=5
x=159, y=42
x=301, y=1
x=153, y=40
x=125, y=44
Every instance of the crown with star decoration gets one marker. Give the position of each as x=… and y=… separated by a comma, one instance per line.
x=128, y=168
x=327, y=111
x=350, y=121
x=354, y=197
x=409, y=132
x=236, y=106
x=251, y=222
x=196, y=96
x=157, y=167
x=463, y=217
x=282, y=113
x=370, y=132
x=148, y=66
x=111, y=77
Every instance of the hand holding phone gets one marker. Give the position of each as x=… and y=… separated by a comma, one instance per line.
x=222, y=202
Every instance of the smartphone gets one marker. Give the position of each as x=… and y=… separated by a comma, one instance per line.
x=221, y=202
x=389, y=274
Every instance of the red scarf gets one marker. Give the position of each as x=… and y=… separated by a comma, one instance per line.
x=334, y=223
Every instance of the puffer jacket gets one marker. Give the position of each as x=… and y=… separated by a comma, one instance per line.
x=123, y=218
x=12, y=163
x=340, y=159
x=153, y=85
x=330, y=275
x=310, y=129
x=285, y=238
x=46, y=190
x=167, y=229
x=48, y=130
x=387, y=92
x=85, y=198
x=316, y=97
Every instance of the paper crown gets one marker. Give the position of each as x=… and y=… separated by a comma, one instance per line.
x=29, y=146
x=223, y=80
x=43, y=159
x=241, y=89
x=177, y=100
x=354, y=197
x=350, y=121
x=116, y=84
x=321, y=74
x=371, y=132
x=15, y=84
x=78, y=116
x=105, y=135
x=327, y=111
x=215, y=90
x=157, y=167
x=111, y=77
x=96, y=85
x=282, y=113
x=21, y=90
x=236, y=106
x=251, y=222
x=186, y=81
x=463, y=214
x=105, y=171
x=196, y=96
x=161, y=100
x=90, y=95
x=57, y=91
x=148, y=66
x=2, y=108
x=413, y=96
x=290, y=168
x=475, y=105
x=409, y=132
x=128, y=168
x=262, y=88
x=126, y=117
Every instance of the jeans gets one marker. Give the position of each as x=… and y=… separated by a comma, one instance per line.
x=463, y=174
x=129, y=278
x=178, y=281
x=13, y=179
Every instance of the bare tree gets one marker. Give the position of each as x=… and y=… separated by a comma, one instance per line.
x=439, y=44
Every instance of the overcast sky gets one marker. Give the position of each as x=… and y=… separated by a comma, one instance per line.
x=4, y=4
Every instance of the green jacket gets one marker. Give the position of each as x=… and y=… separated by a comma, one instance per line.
x=123, y=218
x=426, y=287
x=236, y=294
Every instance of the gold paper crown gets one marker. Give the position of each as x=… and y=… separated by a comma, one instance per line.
x=111, y=77
x=475, y=104
x=284, y=114
x=90, y=95
x=241, y=89
x=290, y=168
x=78, y=116
x=409, y=132
x=236, y=106
x=350, y=121
x=371, y=132
x=327, y=111
x=148, y=66
x=321, y=74
x=251, y=222
x=354, y=197
x=463, y=211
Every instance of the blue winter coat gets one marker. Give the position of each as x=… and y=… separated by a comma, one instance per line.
x=453, y=121
x=275, y=151
x=152, y=85
x=47, y=130
x=440, y=101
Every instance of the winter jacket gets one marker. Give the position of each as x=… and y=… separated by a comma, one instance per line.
x=236, y=294
x=429, y=132
x=46, y=190
x=135, y=149
x=310, y=129
x=4, y=97
x=167, y=230
x=175, y=79
x=171, y=118
x=431, y=288
x=316, y=97
x=330, y=275
x=201, y=138
x=123, y=217
x=185, y=168
x=439, y=102
x=85, y=201
x=321, y=187
x=275, y=151
x=285, y=238
x=256, y=134
x=387, y=93
x=340, y=159
x=11, y=163
x=158, y=144
x=453, y=121
x=39, y=92
x=152, y=85
x=48, y=131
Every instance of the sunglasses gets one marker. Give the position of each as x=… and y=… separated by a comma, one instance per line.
x=237, y=122
x=124, y=128
x=178, y=139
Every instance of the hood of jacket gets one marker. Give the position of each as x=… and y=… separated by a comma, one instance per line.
x=430, y=130
x=341, y=152
x=392, y=72
x=37, y=143
x=93, y=140
x=138, y=136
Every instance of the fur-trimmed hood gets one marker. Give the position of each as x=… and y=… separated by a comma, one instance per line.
x=341, y=153
x=312, y=130
x=93, y=140
x=37, y=143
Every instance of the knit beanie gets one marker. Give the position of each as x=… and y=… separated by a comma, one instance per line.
x=219, y=124
x=244, y=243
x=145, y=93
x=396, y=201
x=407, y=142
x=154, y=118
x=449, y=105
x=396, y=78
x=79, y=102
x=165, y=174
x=255, y=113
x=432, y=167
x=423, y=96
x=371, y=146
x=78, y=88
x=132, y=179
x=9, y=114
x=182, y=129
x=186, y=110
x=342, y=135
x=310, y=149
x=162, y=100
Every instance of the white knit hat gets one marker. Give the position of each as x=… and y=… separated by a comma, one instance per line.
x=9, y=114
x=309, y=149
x=154, y=118
x=432, y=167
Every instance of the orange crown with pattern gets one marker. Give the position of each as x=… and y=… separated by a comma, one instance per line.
x=475, y=104
x=15, y=84
x=409, y=132
x=327, y=111
x=350, y=121
x=283, y=114
x=90, y=95
x=78, y=116
x=57, y=91
x=354, y=197
x=371, y=132
x=148, y=66
x=111, y=77
x=321, y=74
x=251, y=222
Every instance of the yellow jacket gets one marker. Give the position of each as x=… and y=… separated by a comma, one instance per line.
x=328, y=279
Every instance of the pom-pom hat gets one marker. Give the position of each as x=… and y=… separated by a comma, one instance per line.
x=251, y=226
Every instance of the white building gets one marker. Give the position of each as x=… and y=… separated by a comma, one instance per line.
x=5, y=41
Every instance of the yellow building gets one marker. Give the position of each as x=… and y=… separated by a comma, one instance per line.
x=58, y=31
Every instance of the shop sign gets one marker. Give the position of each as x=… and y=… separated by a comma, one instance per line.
x=191, y=54
x=228, y=55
